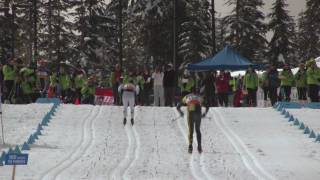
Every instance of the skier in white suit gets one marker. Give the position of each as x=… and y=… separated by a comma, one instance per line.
x=129, y=91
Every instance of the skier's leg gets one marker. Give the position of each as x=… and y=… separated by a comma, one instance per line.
x=191, y=127
x=197, y=121
x=125, y=104
x=131, y=104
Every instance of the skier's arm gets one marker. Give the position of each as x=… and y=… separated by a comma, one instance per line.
x=137, y=89
x=120, y=88
x=179, y=106
x=207, y=109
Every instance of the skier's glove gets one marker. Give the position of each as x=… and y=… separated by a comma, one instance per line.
x=204, y=115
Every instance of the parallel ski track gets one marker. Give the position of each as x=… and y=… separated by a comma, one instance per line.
x=247, y=157
x=79, y=149
x=132, y=153
x=197, y=165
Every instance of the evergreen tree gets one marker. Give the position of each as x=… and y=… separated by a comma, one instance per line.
x=195, y=36
x=56, y=39
x=94, y=24
x=247, y=29
x=5, y=31
x=282, y=25
x=309, y=31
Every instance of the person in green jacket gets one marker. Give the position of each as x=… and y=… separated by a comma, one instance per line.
x=64, y=84
x=313, y=81
x=27, y=89
x=88, y=90
x=250, y=83
x=9, y=77
x=79, y=82
x=301, y=82
x=287, y=80
x=186, y=84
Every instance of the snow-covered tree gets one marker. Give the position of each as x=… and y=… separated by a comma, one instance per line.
x=247, y=28
x=56, y=39
x=93, y=24
x=309, y=31
x=195, y=35
x=283, y=27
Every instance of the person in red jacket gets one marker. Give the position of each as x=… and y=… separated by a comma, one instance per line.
x=222, y=88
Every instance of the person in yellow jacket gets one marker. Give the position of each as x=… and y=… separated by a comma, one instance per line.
x=313, y=81
x=287, y=80
x=186, y=83
x=9, y=76
x=251, y=83
x=194, y=102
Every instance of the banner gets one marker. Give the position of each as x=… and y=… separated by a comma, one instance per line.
x=103, y=96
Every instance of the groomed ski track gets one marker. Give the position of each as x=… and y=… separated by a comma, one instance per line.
x=90, y=143
x=247, y=157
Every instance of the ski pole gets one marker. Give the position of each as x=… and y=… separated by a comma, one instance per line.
x=174, y=119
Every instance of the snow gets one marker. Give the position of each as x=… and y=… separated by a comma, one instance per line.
x=90, y=142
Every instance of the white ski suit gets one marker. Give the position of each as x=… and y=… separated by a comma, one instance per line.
x=129, y=91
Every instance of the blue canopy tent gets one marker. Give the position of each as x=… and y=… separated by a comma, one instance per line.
x=227, y=59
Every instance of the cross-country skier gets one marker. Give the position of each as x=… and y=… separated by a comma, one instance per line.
x=193, y=102
x=129, y=91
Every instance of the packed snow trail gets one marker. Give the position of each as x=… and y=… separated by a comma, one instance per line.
x=79, y=149
x=135, y=136
x=132, y=153
x=124, y=165
x=247, y=157
x=197, y=165
x=161, y=148
x=162, y=151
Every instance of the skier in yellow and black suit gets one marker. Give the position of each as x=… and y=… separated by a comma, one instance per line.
x=193, y=102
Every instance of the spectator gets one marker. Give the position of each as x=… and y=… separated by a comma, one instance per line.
x=264, y=85
x=313, y=80
x=251, y=83
x=301, y=83
x=273, y=83
x=186, y=83
x=43, y=74
x=169, y=85
x=88, y=90
x=158, y=91
x=287, y=80
x=115, y=82
x=222, y=87
x=147, y=86
x=9, y=76
x=79, y=82
x=64, y=85
x=210, y=89
x=140, y=82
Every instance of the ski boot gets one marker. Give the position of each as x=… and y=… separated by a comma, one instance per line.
x=124, y=121
x=190, y=149
x=200, y=149
x=132, y=121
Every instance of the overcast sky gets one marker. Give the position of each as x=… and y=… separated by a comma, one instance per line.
x=295, y=6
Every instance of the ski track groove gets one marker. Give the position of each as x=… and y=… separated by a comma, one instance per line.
x=120, y=172
x=137, y=147
x=54, y=172
x=249, y=160
x=197, y=165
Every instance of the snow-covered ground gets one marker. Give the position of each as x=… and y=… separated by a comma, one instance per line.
x=90, y=142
